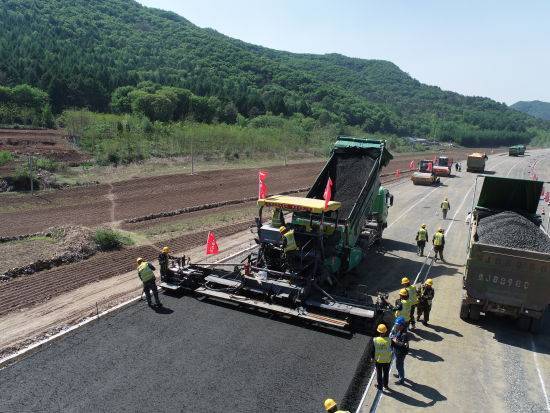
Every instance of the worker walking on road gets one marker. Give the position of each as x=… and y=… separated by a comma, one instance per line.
x=400, y=343
x=438, y=241
x=147, y=277
x=164, y=258
x=332, y=407
x=413, y=298
x=445, y=207
x=425, y=301
x=421, y=238
x=382, y=354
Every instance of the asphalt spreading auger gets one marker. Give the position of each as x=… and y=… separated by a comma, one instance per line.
x=331, y=240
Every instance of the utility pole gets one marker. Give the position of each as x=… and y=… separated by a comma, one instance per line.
x=30, y=173
x=286, y=163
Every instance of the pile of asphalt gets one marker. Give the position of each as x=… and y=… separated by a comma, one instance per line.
x=512, y=230
x=351, y=174
x=196, y=356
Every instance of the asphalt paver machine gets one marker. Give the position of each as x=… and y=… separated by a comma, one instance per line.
x=331, y=241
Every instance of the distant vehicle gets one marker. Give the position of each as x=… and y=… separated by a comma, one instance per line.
x=516, y=150
x=442, y=166
x=476, y=162
x=505, y=280
x=425, y=174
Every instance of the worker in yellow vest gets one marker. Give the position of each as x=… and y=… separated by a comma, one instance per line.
x=277, y=218
x=438, y=241
x=289, y=242
x=413, y=297
x=425, y=301
x=332, y=407
x=147, y=277
x=421, y=239
x=445, y=207
x=381, y=353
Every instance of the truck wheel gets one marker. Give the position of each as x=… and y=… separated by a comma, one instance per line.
x=464, y=311
x=474, y=312
x=524, y=323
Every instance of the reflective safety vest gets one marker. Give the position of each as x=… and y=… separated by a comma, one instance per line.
x=405, y=311
x=290, y=241
x=382, y=349
x=145, y=272
x=413, y=295
x=422, y=235
x=438, y=239
x=276, y=220
x=445, y=205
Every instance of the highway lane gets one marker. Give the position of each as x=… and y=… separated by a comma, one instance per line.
x=456, y=365
x=207, y=357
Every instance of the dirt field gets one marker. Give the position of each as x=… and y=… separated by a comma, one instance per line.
x=49, y=143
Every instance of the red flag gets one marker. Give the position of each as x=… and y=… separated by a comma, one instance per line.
x=262, y=188
x=211, y=244
x=328, y=192
x=430, y=167
x=411, y=165
x=397, y=173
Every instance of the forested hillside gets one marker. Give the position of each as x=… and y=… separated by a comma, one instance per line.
x=98, y=54
x=534, y=108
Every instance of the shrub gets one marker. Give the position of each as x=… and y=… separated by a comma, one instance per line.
x=5, y=157
x=108, y=239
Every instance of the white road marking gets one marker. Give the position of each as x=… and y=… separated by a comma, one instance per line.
x=411, y=207
x=542, y=384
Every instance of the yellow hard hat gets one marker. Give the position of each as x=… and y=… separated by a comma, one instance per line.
x=166, y=250
x=139, y=260
x=423, y=225
x=382, y=328
x=329, y=404
x=405, y=280
x=282, y=229
x=403, y=292
x=429, y=282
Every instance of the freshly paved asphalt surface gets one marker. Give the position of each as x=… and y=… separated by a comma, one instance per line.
x=205, y=357
x=200, y=357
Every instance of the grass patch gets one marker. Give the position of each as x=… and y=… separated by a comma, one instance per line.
x=5, y=157
x=108, y=239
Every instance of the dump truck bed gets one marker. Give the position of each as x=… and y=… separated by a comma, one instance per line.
x=508, y=277
x=475, y=162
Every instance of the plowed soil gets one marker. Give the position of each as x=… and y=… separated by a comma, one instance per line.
x=90, y=206
x=46, y=142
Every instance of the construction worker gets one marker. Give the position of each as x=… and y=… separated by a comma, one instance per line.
x=425, y=301
x=438, y=241
x=147, y=277
x=289, y=242
x=164, y=258
x=277, y=218
x=421, y=239
x=382, y=354
x=402, y=307
x=400, y=343
x=445, y=207
x=413, y=297
x=332, y=407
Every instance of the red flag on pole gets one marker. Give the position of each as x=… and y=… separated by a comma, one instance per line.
x=328, y=192
x=211, y=244
x=411, y=165
x=262, y=188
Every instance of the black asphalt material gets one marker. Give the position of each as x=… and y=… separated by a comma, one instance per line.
x=200, y=357
x=509, y=229
x=350, y=175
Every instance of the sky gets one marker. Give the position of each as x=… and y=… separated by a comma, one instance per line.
x=498, y=49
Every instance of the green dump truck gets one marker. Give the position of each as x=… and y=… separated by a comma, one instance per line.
x=508, y=265
x=516, y=150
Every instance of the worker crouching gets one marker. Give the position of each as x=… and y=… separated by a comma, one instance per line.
x=332, y=407
x=425, y=301
x=147, y=277
x=382, y=355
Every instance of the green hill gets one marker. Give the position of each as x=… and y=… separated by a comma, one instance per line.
x=81, y=51
x=534, y=108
